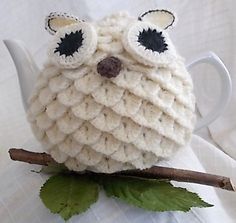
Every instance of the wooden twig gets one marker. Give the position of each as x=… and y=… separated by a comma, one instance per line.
x=31, y=157
x=156, y=172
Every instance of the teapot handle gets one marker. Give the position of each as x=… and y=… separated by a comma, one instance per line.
x=226, y=90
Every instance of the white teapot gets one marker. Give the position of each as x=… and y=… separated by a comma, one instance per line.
x=90, y=117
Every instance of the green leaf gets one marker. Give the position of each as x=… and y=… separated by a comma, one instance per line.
x=54, y=169
x=69, y=194
x=154, y=195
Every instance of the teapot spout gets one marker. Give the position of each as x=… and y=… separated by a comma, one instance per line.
x=26, y=68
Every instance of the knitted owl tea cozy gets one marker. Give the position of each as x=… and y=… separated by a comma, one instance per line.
x=112, y=100
x=113, y=94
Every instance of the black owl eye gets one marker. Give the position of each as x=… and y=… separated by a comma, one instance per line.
x=73, y=45
x=153, y=40
x=148, y=44
x=70, y=43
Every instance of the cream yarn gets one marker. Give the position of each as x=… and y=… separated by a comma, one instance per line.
x=131, y=121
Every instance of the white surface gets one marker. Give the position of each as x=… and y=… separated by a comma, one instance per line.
x=19, y=201
x=203, y=25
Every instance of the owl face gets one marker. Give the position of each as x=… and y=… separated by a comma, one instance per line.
x=110, y=41
x=114, y=95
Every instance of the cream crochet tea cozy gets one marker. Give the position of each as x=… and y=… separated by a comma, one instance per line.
x=113, y=94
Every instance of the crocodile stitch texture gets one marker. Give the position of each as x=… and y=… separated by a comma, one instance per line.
x=105, y=125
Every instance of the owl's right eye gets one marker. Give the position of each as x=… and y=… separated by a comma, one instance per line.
x=73, y=45
x=70, y=44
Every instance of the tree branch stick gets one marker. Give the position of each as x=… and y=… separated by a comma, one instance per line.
x=31, y=157
x=156, y=172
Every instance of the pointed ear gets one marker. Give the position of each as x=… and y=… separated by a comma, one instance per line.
x=57, y=20
x=162, y=18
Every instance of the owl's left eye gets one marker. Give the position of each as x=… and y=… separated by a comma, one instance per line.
x=73, y=45
x=148, y=44
x=153, y=40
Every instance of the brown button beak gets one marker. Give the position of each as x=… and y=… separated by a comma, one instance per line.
x=109, y=67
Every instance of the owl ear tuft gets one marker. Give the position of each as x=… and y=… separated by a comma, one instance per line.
x=56, y=20
x=162, y=18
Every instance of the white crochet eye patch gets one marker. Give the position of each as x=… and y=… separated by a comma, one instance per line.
x=74, y=40
x=147, y=41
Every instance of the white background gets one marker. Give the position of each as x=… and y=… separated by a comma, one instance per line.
x=203, y=25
